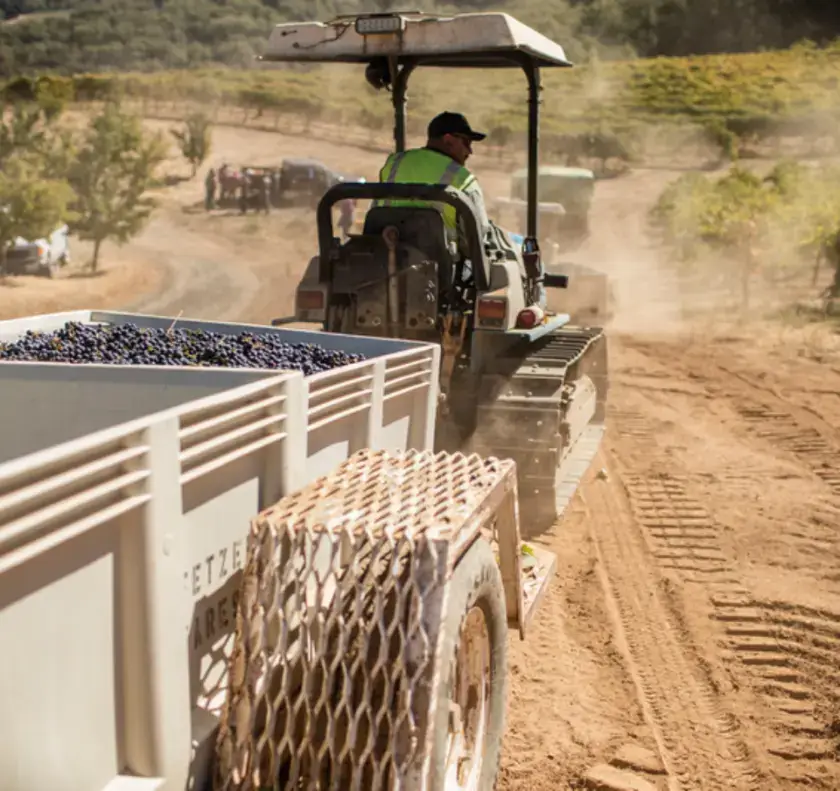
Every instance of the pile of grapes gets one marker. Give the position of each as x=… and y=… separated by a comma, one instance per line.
x=128, y=344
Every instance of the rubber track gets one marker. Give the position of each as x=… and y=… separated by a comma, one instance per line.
x=564, y=347
x=559, y=351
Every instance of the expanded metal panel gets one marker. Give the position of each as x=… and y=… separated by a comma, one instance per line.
x=335, y=665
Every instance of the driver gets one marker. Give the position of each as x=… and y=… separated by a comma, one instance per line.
x=442, y=161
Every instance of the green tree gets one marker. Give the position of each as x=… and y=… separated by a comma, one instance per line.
x=738, y=199
x=731, y=213
x=23, y=131
x=819, y=233
x=194, y=139
x=30, y=206
x=111, y=173
x=31, y=131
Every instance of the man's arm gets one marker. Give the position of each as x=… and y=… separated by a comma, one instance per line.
x=473, y=191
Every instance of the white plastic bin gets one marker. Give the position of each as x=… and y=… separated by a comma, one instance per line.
x=119, y=547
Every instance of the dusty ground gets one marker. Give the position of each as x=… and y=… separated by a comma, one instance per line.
x=712, y=523
x=696, y=612
x=124, y=274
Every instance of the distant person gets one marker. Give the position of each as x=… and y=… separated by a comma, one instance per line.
x=276, y=187
x=224, y=189
x=244, y=191
x=265, y=185
x=210, y=184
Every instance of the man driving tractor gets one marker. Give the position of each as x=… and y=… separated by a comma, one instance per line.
x=442, y=161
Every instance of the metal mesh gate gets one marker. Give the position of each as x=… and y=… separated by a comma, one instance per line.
x=333, y=675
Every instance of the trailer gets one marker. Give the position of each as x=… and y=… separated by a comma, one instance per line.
x=225, y=578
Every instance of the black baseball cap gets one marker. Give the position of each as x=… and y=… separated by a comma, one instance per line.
x=452, y=124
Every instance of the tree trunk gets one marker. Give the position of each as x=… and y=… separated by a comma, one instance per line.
x=746, y=271
x=94, y=264
x=194, y=168
x=830, y=253
x=815, y=272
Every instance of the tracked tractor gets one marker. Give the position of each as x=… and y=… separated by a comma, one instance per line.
x=565, y=199
x=517, y=381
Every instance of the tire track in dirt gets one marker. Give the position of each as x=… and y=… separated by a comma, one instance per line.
x=787, y=654
x=781, y=429
x=699, y=740
x=812, y=438
x=787, y=660
x=778, y=428
x=789, y=657
x=681, y=532
x=684, y=536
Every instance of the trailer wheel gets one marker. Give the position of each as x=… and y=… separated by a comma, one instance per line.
x=470, y=719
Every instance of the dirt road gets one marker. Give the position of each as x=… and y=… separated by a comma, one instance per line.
x=693, y=633
x=712, y=521
x=706, y=543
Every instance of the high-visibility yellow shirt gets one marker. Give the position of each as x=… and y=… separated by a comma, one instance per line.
x=425, y=166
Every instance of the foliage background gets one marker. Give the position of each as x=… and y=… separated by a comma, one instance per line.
x=730, y=75
x=70, y=36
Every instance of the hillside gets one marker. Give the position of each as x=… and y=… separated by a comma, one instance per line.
x=726, y=100
x=68, y=36
x=176, y=56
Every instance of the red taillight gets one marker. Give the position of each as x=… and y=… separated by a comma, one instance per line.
x=310, y=300
x=529, y=318
x=492, y=309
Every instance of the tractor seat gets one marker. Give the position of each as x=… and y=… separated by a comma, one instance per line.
x=420, y=227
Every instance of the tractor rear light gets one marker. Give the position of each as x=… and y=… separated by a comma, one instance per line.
x=310, y=300
x=529, y=318
x=492, y=310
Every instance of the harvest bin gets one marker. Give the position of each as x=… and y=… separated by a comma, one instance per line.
x=126, y=494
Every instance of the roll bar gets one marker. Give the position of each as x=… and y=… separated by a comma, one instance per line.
x=402, y=69
x=426, y=192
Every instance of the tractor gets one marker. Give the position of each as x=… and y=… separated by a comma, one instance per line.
x=565, y=200
x=517, y=381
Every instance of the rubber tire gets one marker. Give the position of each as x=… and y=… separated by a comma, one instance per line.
x=476, y=580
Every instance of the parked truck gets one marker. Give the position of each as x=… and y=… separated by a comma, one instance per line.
x=44, y=257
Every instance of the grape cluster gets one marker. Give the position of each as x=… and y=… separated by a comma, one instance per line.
x=128, y=344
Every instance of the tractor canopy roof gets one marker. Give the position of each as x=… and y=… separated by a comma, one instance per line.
x=478, y=40
x=557, y=172
x=301, y=162
x=573, y=187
